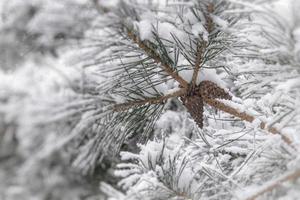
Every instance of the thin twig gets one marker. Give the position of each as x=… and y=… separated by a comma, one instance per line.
x=288, y=177
x=209, y=20
x=202, y=45
x=199, y=58
x=244, y=116
x=154, y=100
x=151, y=53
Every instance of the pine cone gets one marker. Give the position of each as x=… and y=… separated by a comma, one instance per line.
x=194, y=101
x=208, y=89
x=194, y=105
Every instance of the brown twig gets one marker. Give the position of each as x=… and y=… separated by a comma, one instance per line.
x=244, y=116
x=202, y=45
x=154, y=100
x=151, y=53
x=288, y=177
x=199, y=57
x=209, y=21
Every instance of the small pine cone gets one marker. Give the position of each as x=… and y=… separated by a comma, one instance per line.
x=208, y=89
x=194, y=105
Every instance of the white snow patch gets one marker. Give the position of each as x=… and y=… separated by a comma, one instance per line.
x=211, y=75
x=163, y=88
x=186, y=75
x=145, y=29
x=199, y=29
x=289, y=84
x=165, y=30
x=220, y=22
x=256, y=123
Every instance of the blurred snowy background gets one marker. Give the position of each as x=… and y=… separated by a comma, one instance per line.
x=41, y=104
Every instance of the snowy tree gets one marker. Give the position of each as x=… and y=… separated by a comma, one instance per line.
x=144, y=99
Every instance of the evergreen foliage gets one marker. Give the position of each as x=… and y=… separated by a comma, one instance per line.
x=145, y=99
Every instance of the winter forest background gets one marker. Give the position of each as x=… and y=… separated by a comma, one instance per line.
x=149, y=99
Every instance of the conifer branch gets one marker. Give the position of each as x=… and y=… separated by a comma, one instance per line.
x=199, y=58
x=288, y=177
x=209, y=21
x=154, y=100
x=244, y=116
x=202, y=45
x=151, y=53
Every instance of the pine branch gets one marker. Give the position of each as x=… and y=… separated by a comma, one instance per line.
x=209, y=21
x=193, y=96
x=244, y=116
x=151, y=53
x=199, y=58
x=154, y=100
x=269, y=187
x=202, y=45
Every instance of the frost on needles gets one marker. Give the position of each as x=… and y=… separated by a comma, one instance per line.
x=140, y=99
